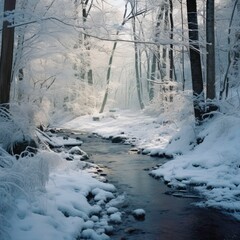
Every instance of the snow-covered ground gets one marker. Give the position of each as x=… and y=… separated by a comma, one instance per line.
x=47, y=197
x=56, y=199
x=211, y=167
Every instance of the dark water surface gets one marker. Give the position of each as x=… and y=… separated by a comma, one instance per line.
x=167, y=217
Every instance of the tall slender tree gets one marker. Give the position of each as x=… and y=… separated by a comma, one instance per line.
x=111, y=60
x=210, y=37
x=155, y=64
x=6, y=60
x=195, y=61
x=136, y=54
x=233, y=55
x=126, y=18
x=171, y=67
x=84, y=72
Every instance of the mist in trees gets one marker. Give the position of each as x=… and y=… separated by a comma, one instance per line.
x=88, y=56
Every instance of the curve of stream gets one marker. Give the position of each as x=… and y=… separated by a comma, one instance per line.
x=167, y=217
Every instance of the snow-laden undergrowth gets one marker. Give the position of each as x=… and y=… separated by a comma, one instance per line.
x=19, y=180
x=44, y=196
x=46, y=192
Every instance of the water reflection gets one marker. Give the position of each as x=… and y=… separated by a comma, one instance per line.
x=167, y=217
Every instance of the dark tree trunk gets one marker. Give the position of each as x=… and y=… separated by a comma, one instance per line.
x=195, y=61
x=183, y=58
x=210, y=35
x=171, y=37
x=6, y=52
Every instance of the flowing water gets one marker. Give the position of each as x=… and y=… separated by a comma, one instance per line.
x=167, y=217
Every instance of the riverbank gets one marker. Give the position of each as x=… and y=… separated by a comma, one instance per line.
x=53, y=190
x=57, y=195
x=169, y=213
x=206, y=158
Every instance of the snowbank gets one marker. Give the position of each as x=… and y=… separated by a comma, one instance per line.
x=213, y=166
x=47, y=197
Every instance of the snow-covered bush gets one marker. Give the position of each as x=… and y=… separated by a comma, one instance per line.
x=18, y=178
x=178, y=109
x=16, y=124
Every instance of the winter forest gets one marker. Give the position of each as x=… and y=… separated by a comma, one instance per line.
x=156, y=82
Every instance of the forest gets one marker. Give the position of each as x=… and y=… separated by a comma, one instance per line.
x=160, y=76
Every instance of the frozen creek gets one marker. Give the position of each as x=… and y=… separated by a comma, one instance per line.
x=170, y=215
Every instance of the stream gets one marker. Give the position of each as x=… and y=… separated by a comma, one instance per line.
x=167, y=217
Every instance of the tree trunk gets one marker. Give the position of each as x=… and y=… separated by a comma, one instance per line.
x=138, y=80
x=6, y=60
x=171, y=45
x=84, y=72
x=195, y=61
x=236, y=48
x=155, y=65
x=163, y=66
x=85, y=13
x=210, y=37
x=110, y=63
x=183, y=58
x=235, y=53
x=108, y=77
x=152, y=77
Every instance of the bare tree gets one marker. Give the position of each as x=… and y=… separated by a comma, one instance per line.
x=233, y=55
x=210, y=37
x=110, y=62
x=85, y=70
x=182, y=51
x=156, y=52
x=171, y=73
x=126, y=18
x=6, y=60
x=195, y=61
x=136, y=54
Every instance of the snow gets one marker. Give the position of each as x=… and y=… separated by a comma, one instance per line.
x=111, y=210
x=53, y=194
x=57, y=207
x=58, y=141
x=116, y=217
x=139, y=212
